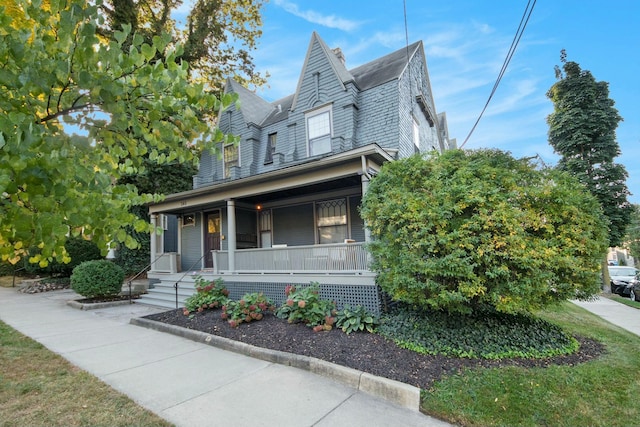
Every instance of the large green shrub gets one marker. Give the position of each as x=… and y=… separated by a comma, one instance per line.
x=464, y=230
x=78, y=249
x=98, y=278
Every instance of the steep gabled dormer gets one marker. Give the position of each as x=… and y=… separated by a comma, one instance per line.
x=325, y=92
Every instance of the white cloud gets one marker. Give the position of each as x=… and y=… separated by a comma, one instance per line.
x=330, y=21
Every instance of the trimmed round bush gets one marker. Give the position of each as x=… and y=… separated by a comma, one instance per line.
x=100, y=278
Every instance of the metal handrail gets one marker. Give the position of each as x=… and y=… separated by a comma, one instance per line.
x=131, y=279
x=175, y=286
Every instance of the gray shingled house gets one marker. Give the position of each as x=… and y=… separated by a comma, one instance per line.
x=282, y=206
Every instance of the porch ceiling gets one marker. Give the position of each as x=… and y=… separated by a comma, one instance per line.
x=329, y=173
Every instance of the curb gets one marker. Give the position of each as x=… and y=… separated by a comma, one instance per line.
x=392, y=391
x=95, y=305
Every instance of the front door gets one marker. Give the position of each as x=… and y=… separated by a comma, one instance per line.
x=212, y=235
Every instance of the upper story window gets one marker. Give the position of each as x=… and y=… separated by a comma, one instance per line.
x=271, y=148
x=319, y=130
x=231, y=158
x=416, y=133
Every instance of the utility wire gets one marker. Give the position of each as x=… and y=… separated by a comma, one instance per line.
x=514, y=43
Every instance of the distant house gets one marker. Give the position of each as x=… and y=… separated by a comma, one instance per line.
x=282, y=206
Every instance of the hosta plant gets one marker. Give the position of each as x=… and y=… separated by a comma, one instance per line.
x=356, y=319
x=209, y=294
x=250, y=307
x=305, y=305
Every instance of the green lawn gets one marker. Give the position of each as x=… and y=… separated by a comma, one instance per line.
x=40, y=388
x=604, y=392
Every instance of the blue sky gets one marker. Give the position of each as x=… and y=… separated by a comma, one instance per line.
x=466, y=42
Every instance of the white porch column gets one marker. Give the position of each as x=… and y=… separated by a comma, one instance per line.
x=231, y=234
x=365, y=186
x=153, y=249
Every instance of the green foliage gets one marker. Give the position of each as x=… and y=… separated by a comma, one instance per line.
x=250, y=307
x=305, y=305
x=128, y=104
x=99, y=278
x=355, y=319
x=484, y=334
x=209, y=294
x=464, y=230
x=217, y=39
x=582, y=131
x=79, y=251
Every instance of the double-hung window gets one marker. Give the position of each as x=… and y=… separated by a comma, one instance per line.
x=332, y=221
x=271, y=148
x=231, y=158
x=319, y=130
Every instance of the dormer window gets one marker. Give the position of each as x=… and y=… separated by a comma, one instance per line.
x=319, y=130
x=271, y=148
x=231, y=158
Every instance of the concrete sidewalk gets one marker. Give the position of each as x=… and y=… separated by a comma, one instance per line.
x=612, y=311
x=191, y=383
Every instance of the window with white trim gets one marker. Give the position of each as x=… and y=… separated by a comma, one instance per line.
x=319, y=130
x=231, y=158
x=416, y=133
x=271, y=148
x=332, y=221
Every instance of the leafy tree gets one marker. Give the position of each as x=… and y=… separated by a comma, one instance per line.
x=218, y=37
x=467, y=230
x=55, y=71
x=155, y=179
x=582, y=130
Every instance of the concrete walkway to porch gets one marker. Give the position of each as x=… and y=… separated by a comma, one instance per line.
x=191, y=383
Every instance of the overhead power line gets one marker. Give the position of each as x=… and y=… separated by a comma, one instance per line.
x=514, y=43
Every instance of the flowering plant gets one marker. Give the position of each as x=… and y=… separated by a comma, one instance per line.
x=209, y=294
x=251, y=307
x=305, y=305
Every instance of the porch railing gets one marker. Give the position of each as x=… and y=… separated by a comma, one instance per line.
x=330, y=258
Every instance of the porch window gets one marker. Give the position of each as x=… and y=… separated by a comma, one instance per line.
x=332, y=221
x=265, y=228
x=271, y=148
x=231, y=158
x=319, y=131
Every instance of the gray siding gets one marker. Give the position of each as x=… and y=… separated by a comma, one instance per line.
x=378, y=116
x=357, y=223
x=171, y=234
x=191, y=244
x=294, y=225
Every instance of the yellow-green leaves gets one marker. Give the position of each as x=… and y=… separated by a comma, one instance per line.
x=76, y=113
x=465, y=229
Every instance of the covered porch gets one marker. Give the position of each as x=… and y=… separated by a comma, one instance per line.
x=294, y=225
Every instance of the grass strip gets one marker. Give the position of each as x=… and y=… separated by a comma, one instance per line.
x=40, y=388
x=601, y=392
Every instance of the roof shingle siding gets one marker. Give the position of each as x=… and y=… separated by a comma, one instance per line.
x=373, y=103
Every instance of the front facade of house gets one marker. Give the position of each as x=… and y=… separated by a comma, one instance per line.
x=282, y=206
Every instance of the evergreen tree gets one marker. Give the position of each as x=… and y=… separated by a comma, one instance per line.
x=582, y=130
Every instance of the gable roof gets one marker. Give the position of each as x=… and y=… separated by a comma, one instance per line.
x=384, y=69
x=374, y=73
x=336, y=65
x=253, y=108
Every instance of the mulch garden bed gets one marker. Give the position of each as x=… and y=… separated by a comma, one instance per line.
x=366, y=352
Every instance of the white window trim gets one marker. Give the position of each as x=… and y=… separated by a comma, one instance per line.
x=309, y=114
x=415, y=134
x=224, y=162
